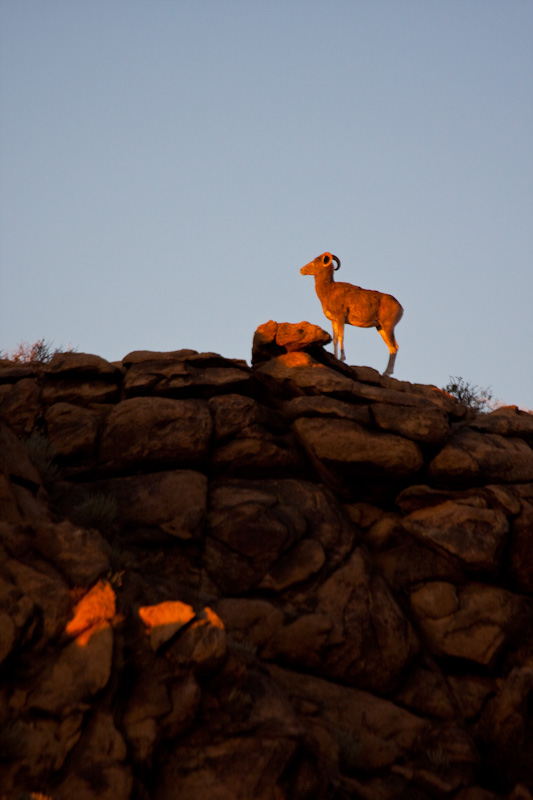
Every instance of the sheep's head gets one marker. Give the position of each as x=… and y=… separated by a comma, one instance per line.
x=325, y=261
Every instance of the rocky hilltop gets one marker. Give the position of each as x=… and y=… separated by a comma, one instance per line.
x=297, y=580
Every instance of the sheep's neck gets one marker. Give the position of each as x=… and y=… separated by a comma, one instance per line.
x=323, y=283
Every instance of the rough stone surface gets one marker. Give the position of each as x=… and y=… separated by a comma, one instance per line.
x=338, y=444
x=473, y=457
x=429, y=425
x=299, y=580
x=20, y=405
x=272, y=339
x=164, y=620
x=521, y=549
x=73, y=431
x=173, y=501
x=473, y=535
x=471, y=623
x=166, y=433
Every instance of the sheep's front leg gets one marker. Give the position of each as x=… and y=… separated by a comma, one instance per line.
x=338, y=338
x=334, y=326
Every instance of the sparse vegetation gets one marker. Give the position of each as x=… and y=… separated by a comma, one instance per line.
x=437, y=759
x=40, y=352
x=42, y=456
x=475, y=398
x=97, y=511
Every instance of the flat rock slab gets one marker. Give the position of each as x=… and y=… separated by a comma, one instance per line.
x=172, y=378
x=80, y=378
x=318, y=406
x=82, y=392
x=78, y=364
x=342, y=443
x=303, y=374
x=141, y=356
x=428, y=425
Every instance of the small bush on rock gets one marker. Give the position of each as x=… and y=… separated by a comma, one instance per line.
x=40, y=352
x=475, y=398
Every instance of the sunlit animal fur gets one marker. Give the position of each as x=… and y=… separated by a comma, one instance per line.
x=364, y=308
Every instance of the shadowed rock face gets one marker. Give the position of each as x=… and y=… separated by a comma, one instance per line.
x=297, y=580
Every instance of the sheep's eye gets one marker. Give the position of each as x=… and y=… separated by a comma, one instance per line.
x=326, y=259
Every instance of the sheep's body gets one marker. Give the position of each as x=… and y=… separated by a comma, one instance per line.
x=343, y=303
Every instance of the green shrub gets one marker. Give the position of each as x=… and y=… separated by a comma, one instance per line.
x=476, y=399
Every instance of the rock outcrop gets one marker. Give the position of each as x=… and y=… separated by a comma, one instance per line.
x=293, y=580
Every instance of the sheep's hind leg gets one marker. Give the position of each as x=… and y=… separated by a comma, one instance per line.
x=390, y=365
x=392, y=344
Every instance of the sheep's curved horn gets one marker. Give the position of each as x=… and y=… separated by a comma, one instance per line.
x=338, y=262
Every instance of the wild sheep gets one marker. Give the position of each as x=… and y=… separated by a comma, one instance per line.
x=364, y=308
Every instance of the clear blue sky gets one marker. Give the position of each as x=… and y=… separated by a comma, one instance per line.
x=167, y=166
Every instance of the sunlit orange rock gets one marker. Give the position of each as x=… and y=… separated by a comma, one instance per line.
x=164, y=620
x=93, y=612
x=202, y=645
x=273, y=338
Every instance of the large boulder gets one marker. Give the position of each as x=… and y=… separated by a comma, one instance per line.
x=299, y=373
x=272, y=339
x=428, y=425
x=173, y=501
x=20, y=405
x=471, y=457
x=252, y=525
x=506, y=421
x=348, y=456
x=350, y=629
x=80, y=378
x=182, y=373
x=474, y=536
x=368, y=733
x=155, y=431
x=473, y=622
x=73, y=431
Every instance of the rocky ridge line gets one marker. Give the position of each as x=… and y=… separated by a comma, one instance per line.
x=293, y=580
